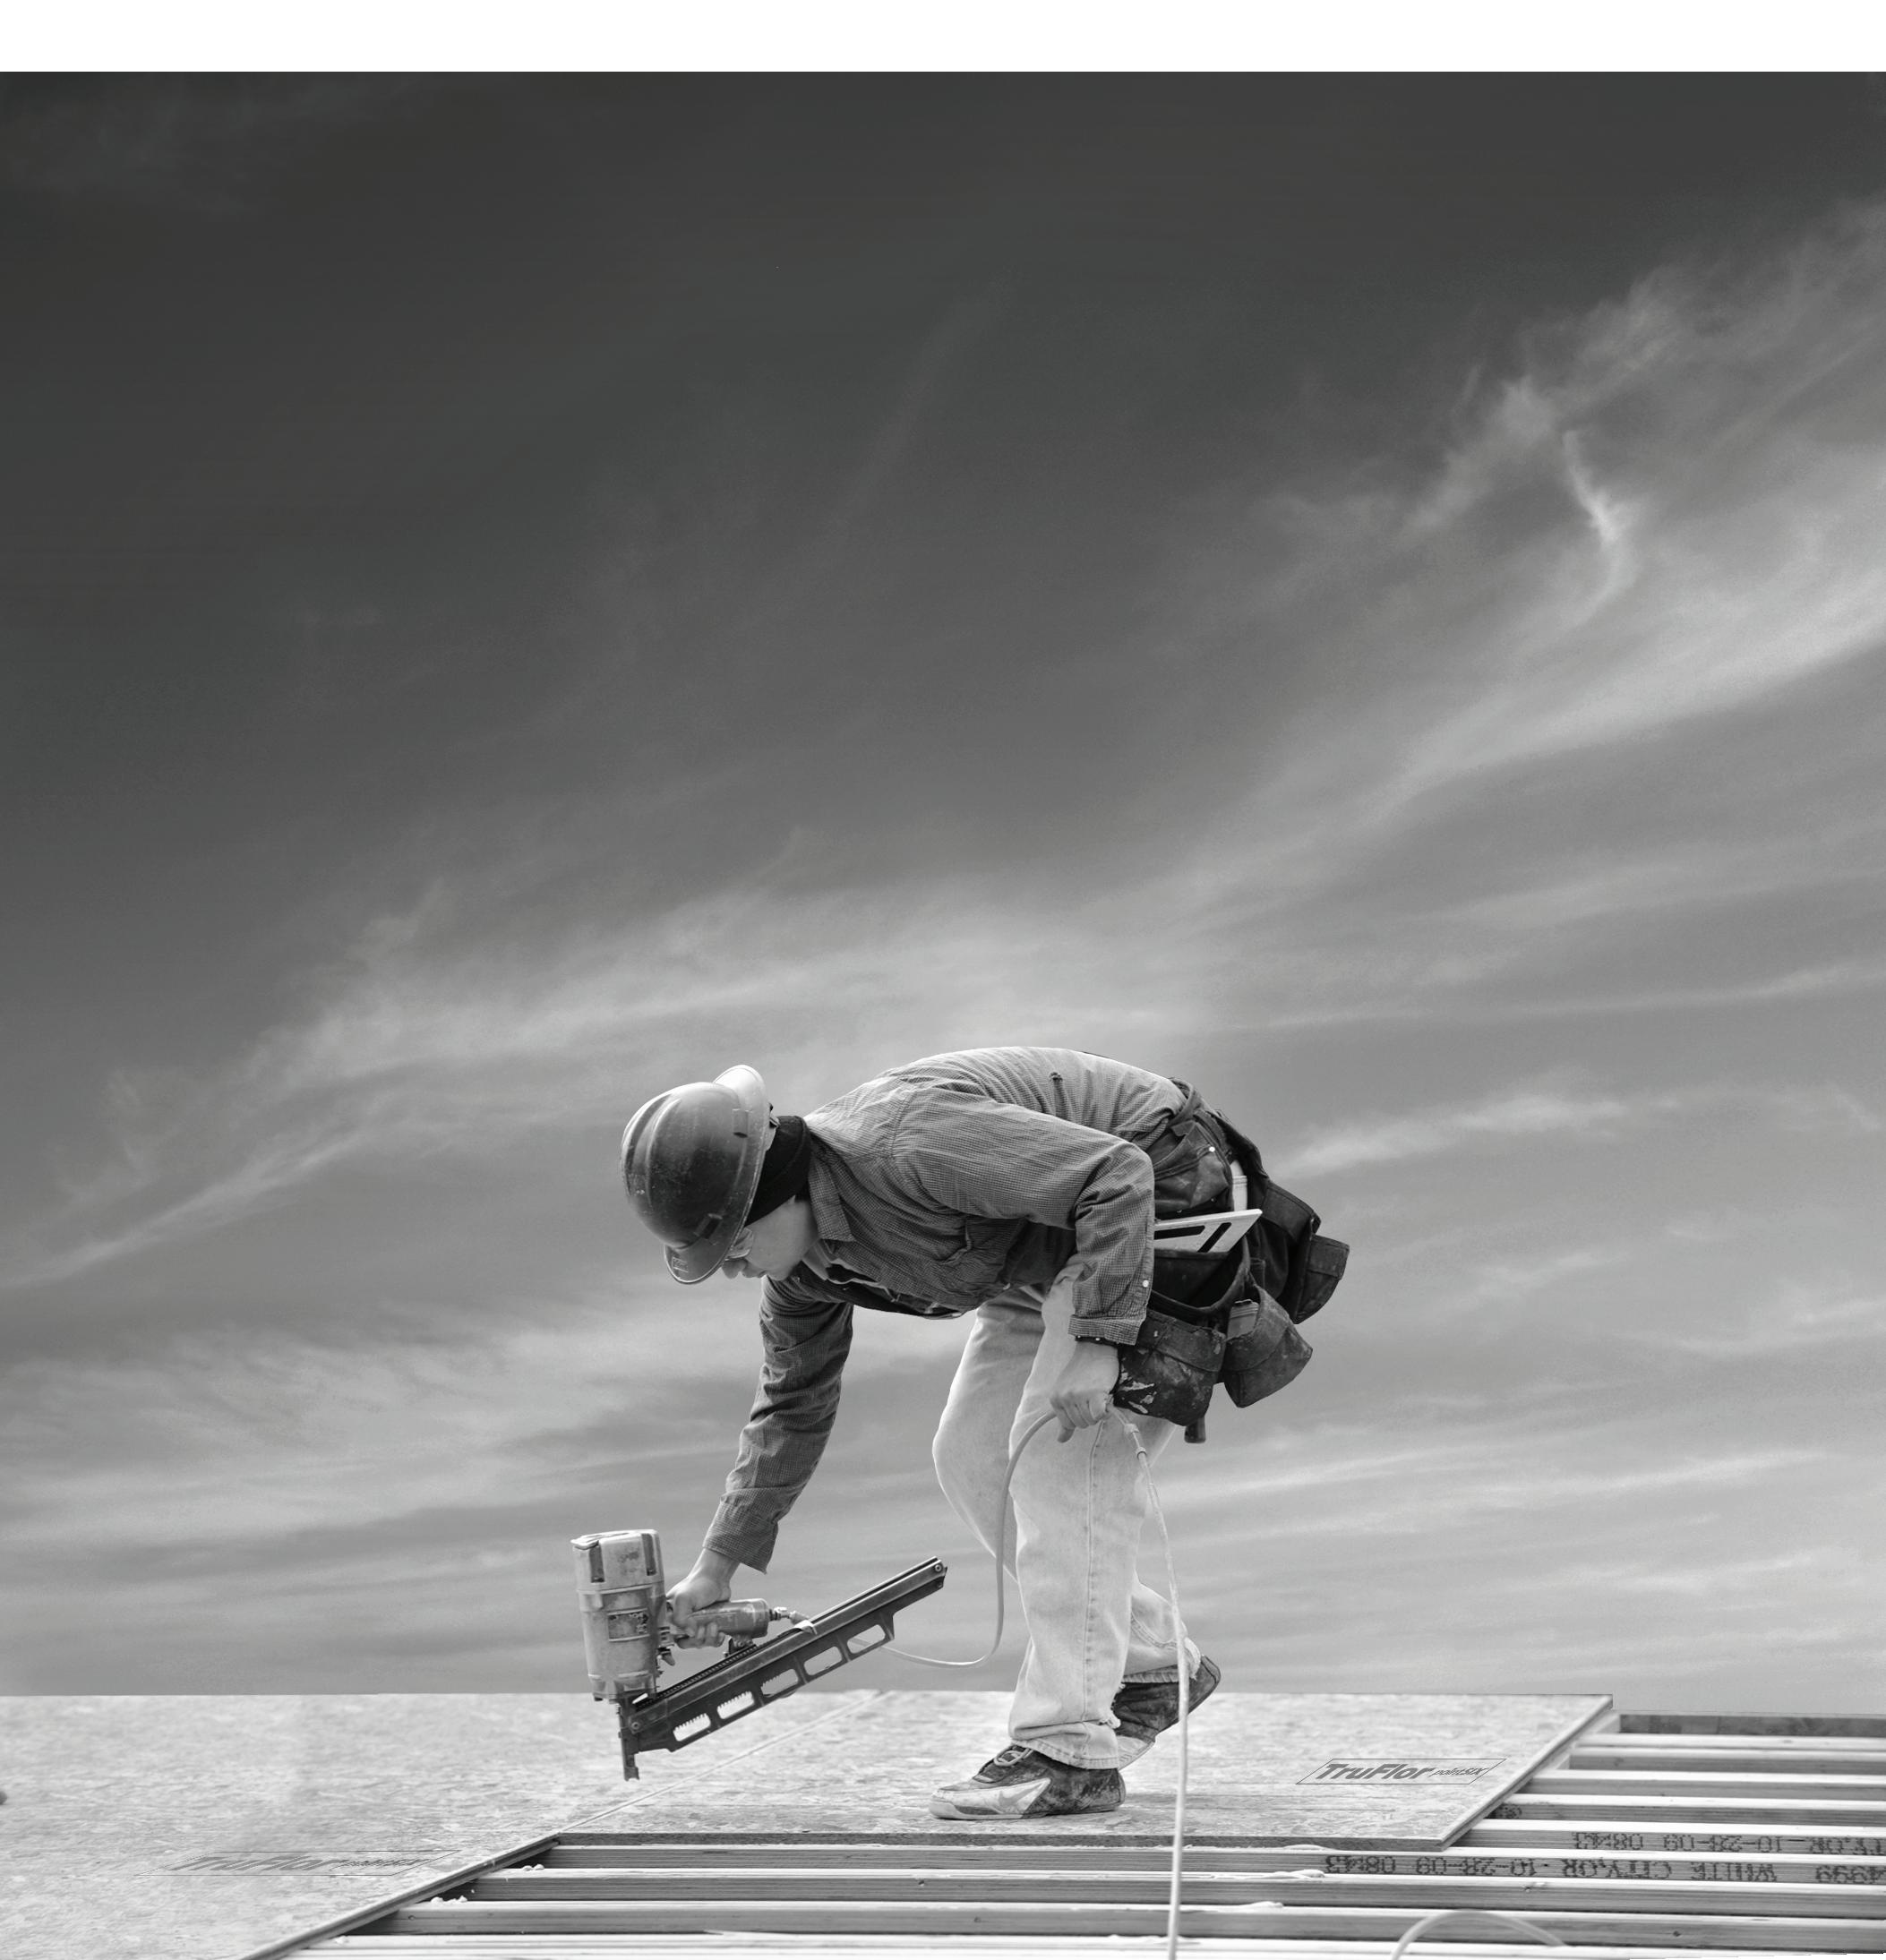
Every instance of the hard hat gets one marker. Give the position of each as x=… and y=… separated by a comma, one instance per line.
x=692, y=1158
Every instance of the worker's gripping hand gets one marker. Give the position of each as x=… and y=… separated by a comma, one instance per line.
x=1084, y=1390
x=710, y=1582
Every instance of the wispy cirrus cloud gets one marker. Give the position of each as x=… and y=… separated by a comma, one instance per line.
x=1797, y=1316
x=1665, y=515
x=1834, y=981
x=1727, y=512
x=1489, y=1471
x=427, y=1449
x=1549, y=1113
x=428, y=1408
x=1531, y=1546
x=435, y=1040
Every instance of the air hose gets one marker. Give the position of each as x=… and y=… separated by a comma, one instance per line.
x=1015, y=1457
x=1421, y=1926
x=1185, y=1685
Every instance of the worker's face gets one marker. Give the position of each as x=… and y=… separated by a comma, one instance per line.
x=773, y=1245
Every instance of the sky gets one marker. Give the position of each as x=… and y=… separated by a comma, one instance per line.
x=1363, y=594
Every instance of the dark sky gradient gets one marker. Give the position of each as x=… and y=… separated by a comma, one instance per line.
x=1364, y=593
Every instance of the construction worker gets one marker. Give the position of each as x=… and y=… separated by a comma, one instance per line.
x=1016, y=1182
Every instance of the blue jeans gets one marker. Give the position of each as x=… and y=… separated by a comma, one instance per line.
x=1073, y=1540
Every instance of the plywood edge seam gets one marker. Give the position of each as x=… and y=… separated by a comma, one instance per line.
x=347, y=1922
x=1567, y=1738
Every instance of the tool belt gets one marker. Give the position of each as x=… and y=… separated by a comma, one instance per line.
x=1229, y=1318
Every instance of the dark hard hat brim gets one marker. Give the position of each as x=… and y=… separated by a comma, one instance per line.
x=690, y=1265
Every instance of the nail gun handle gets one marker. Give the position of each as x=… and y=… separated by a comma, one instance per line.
x=729, y=1619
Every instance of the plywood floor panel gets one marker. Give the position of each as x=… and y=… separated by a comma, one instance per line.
x=1347, y=1770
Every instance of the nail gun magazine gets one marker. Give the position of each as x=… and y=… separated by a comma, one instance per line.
x=624, y=1605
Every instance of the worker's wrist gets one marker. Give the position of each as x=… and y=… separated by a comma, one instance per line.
x=714, y=1565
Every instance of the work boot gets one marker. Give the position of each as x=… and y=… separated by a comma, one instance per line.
x=1146, y=1709
x=1021, y=1783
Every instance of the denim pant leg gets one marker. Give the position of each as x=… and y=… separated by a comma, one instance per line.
x=972, y=1447
x=1079, y=1505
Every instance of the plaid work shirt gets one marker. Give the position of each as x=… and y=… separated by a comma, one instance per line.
x=933, y=1187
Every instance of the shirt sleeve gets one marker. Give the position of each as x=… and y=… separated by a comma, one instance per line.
x=806, y=1340
x=999, y=1160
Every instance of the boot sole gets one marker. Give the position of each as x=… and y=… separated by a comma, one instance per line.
x=1010, y=1802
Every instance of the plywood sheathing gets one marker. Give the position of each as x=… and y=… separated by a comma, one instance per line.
x=202, y=1827
x=1357, y=1771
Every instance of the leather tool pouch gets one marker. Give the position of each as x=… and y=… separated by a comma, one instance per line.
x=1170, y=1369
x=1214, y=1319
x=1292, y=1261
x=1263, y=1351
x=1246, y=1340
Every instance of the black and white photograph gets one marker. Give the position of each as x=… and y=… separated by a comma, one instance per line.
x=943, y=1008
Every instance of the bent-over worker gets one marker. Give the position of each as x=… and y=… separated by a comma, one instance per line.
x=1019, y=1184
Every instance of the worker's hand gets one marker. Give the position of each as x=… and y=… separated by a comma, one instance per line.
x=1082, y=1394
x=710, y=1582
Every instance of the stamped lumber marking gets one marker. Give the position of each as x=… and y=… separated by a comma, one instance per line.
x=1403, y=1769
x=1832, y=1844
x=1672, y=1870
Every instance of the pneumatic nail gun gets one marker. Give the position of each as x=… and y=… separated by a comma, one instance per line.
x=626, y=1639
